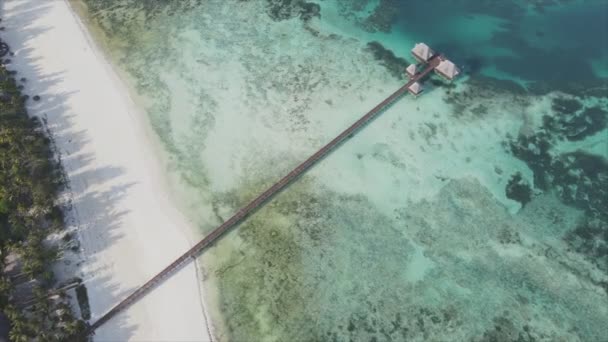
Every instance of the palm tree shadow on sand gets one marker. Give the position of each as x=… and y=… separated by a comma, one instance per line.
x=94, y=215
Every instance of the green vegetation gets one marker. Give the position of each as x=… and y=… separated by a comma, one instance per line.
x=29, y=184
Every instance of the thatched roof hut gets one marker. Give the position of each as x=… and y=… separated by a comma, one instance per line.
x=447, y=69
x=422, y=52
x=415, y=89
x=411, y=70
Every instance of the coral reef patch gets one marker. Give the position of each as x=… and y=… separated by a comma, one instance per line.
x=396, y=65
x=482, y=274
x=382, y=17
x=518, y=189
x=287, y=9
x=578, y=177
x=575, y=122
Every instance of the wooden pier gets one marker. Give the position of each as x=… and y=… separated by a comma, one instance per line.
x=259, y=201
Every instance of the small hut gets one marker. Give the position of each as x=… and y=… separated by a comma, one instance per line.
x=411, y=70
x=447, y=69
x=422, y=52
x=415, y=89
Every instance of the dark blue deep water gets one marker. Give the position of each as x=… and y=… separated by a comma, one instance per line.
x=556, y=43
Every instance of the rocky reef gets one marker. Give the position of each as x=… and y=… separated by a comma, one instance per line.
x=505, y=330
x=382, y=17
x=573, y=121
x=287, y=9
x=579, y=178
x=121, y=12
x=370, y=15
x=518, y=189
x=296, y=272
x=395, y=65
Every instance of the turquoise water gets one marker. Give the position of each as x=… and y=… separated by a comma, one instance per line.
x=474, y=212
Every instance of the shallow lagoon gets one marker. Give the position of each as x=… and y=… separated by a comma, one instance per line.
x=474, y=212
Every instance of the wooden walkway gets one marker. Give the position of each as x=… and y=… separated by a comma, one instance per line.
x=260, y=199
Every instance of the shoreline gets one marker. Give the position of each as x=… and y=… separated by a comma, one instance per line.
x=157, y=154
x=118, y=191
x=213, y=317
x=208, y=290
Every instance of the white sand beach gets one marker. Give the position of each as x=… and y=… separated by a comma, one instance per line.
x=127, y=227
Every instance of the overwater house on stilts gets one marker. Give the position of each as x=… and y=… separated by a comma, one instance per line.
x=447, y=69
x=411, y=70
x=422, y=52
x=415, y=88
x=433, y=61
